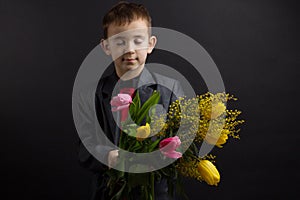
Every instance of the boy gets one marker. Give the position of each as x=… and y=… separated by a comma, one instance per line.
x=127, y=39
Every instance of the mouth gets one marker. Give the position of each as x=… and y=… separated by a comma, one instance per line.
x=129, y=59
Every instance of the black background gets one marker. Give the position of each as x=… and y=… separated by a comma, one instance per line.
x=254, y=43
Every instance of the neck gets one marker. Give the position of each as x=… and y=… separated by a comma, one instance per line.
x=130, y=74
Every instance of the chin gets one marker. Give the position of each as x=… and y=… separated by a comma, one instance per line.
x=133, y=67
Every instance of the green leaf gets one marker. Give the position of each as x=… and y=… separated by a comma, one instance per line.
x=153, y=145
x=131, y=111
x=137, y=101
x=135, y=106
x=135, y=147
x=153, y=100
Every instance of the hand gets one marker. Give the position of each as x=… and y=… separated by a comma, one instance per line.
x=112, y=158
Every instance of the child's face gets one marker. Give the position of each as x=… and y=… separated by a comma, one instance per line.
x=129, y=45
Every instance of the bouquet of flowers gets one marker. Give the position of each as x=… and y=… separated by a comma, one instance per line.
x=177, y=134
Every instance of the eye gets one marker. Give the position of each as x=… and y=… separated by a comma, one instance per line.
x=120, y=42
x=138, y=41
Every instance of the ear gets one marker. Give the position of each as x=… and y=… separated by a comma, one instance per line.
x=152, y=43
x=105, y=46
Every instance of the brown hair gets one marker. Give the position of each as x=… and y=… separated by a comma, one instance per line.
x=123, y=13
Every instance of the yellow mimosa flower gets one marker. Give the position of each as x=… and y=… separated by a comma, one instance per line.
x=209, y=172
x=142, y=132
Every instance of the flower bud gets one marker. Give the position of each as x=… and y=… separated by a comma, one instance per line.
x=168, y=147
x=120, y=102
x=142, y=132
x=209, y=172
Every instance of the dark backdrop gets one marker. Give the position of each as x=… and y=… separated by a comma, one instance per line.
x=254, y=43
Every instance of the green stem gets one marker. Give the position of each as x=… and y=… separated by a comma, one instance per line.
x=152, y=185
x=121, y=140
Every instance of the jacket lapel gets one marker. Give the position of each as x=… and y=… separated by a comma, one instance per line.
x=106, y=97
x=146, y=85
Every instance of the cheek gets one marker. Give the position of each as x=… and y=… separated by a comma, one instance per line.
x=116, y=56
x=116, y=60
x=116, y=53
x=142, y=54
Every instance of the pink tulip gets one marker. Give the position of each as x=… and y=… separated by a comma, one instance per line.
x=120, y=102
x=168, y=147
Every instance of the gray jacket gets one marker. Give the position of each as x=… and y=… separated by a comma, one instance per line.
x=94, y=109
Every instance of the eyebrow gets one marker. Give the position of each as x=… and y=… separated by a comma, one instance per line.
x=122, y=37
x=118, y=37
x=139, y=36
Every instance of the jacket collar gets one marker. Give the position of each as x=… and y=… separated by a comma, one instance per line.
x=146, y=78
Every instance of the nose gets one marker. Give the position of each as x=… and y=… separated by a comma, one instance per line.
x=130, y=48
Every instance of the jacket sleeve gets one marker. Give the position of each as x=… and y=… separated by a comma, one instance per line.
x=92, y=148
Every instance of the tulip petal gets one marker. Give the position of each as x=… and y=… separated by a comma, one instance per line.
x=121, y=101
x=168, y=147
x=114, y=109
x=173, y=154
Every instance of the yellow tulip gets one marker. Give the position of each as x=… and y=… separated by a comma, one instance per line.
x=209, y=172
x=218, y=141
x=142, y=132
x=217, y=109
